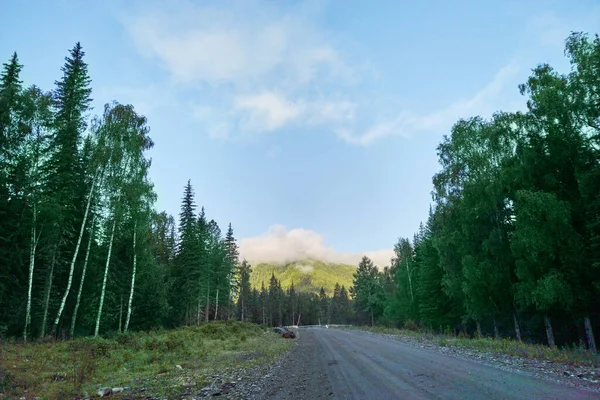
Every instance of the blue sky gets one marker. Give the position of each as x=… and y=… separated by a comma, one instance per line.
x=311, y=126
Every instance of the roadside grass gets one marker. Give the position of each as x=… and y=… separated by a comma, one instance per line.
x=576, y=355
x=69, y=369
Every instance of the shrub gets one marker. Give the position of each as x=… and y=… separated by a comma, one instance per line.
x=411, y=325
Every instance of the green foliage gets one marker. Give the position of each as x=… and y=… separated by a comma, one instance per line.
x=514, y=232
x=70, y=368
x=307, y=275
x=367, y=290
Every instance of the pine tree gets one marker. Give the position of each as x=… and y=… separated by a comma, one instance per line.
x=244, y=297
x=367, y=290
x=184, y=288
x=232, y=267
x=10, y=100
x=66, y=181
x=323, y=307
x=10, y=103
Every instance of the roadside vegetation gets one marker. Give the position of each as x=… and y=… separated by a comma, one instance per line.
x=161, y=361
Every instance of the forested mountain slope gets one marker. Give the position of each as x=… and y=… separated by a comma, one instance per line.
x=306, y=275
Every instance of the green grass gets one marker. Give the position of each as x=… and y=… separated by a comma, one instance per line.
x=66, y=369
x=577, y=355
x=308, y=275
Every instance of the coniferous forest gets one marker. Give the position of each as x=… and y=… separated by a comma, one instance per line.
x=511, y=247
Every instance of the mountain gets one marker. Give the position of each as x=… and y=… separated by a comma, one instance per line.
x=307, y=275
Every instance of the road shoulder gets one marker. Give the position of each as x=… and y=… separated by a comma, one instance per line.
x=298, y=375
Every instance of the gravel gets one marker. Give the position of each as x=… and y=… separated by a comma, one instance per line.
x=574, y=376
x=300, y=373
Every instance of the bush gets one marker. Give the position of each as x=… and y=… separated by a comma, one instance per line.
x=411, y=325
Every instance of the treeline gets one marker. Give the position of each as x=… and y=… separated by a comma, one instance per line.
x=512, y=243
x=209, y=281
x=82, y=250
x=276, y=306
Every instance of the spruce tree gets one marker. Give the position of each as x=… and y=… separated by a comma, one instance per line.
x=232, y=267
x=244, y=297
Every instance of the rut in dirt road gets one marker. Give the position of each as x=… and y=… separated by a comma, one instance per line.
x=340, y=364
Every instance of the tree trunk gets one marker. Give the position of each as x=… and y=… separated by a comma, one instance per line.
x=132, y=279
x=517, y=329
x=242, y=309
x=412, y=297
x=590, y=334
x=110, y=243
x=198, y=311
x=207, y=302
x=280, y=314
x=77, y=246
x=549, y=332
x=34, y=241
x=216, y=305
x=85, y=263
x=121, y=313
x=496, y=333
x=478, y=328
x=47, y=294
x=371, y=316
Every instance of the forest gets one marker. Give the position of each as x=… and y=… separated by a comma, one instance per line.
x=511, y=246
x=82, y=249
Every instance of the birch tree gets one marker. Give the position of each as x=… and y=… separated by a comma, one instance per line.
x=36, y=117
x=126, y=136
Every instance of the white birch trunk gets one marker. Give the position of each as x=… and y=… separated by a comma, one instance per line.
x=112, y=235
x=517, y=329
x=412, y=297
x=216, y=305
x=34, y=242
x=198, y=311
x=549, y=332
x=77, y=246
x=207, y=302
x=590, y=334
x=48, y=290
x=132, y=279
x=85, y=263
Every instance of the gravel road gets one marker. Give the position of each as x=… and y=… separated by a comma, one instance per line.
x=348, y=364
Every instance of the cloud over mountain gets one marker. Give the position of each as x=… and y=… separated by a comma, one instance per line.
x=280, y=245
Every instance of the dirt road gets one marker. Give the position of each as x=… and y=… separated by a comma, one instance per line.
x=348, y=364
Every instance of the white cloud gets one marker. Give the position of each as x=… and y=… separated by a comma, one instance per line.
x=271, y=66
x=481, y=103
x=236, y=42
x=269, y=111
x=260, y=60
x=304, y=268
x=281, y=245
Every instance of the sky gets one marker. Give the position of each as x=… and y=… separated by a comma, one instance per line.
x=311, y=126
